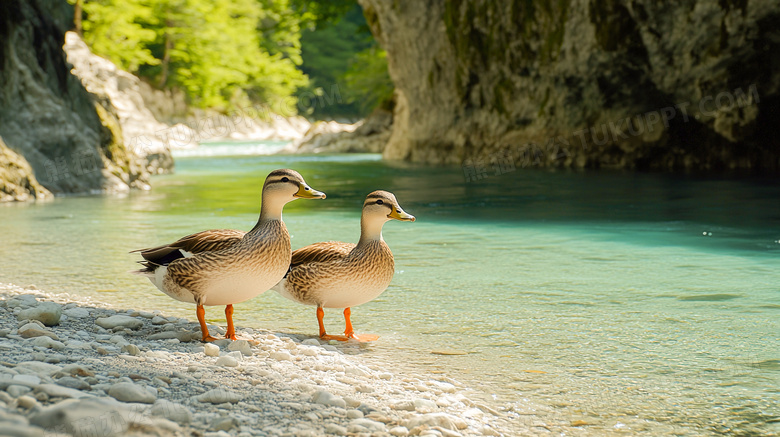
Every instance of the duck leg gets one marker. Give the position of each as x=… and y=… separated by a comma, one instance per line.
x=202, y=320
x=231, y=330
x=323, y=335
x=350, y=333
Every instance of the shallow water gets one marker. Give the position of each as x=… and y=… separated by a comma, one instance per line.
x=635, y=303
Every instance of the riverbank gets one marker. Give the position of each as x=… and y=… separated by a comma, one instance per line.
x=71, y=366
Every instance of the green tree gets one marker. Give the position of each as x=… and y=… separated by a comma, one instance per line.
x=338, y=49
x=116, y=30
x=368, y=83
x=217, y=52
x=234, y=53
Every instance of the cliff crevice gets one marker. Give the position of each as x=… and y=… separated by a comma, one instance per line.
x=58, y=135
x=631, y=84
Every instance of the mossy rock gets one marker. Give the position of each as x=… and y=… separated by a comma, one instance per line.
x=17, y=180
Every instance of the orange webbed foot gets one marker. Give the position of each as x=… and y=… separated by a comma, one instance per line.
x=350, y=333
x=208, y=339
x=363, y=337
x=328, y=337
x=360, y=338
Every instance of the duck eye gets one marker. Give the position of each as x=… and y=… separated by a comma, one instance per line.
x=379, y=202
x=285, y=179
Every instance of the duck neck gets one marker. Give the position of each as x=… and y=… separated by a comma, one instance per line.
x=371, y=229
x=270, y=210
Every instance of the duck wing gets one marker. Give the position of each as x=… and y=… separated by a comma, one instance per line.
x=206, y=241
x=321, y=252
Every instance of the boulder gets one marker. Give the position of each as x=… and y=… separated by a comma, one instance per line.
x=48, y=313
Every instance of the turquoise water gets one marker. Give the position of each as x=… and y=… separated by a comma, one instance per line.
x=635, y=303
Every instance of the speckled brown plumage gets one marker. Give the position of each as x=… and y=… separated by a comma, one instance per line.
x=326, y=266
x=342, y=275
x=321, y=252
x=225, y=266
x=205, y=241
x=263, y=251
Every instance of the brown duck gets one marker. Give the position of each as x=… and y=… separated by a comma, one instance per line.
x=226, y=266
x=342, y=275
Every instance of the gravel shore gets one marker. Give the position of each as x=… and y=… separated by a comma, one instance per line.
x=70, y=366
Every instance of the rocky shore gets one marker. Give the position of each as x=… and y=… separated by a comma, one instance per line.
x=71, y=366
x=369, y=135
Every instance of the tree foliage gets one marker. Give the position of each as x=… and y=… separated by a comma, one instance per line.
x=115, y=29
x=222, y=54
x=233, y=53
x=338, y=49
x=368, y=84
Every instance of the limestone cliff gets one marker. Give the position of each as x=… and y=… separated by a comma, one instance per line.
x=583, y=83
x=369, y=135
x=17, y=181
x=57, y=133
x=125, y=96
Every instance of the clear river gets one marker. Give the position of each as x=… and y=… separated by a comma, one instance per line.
x=603, y=302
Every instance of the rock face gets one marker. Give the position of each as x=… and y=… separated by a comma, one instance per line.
x=368, y=136
x=17, y=181
x=59, y=135
x=124, y=95
x=574, y=83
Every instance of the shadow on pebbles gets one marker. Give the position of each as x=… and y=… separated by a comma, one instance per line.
x=69, y=366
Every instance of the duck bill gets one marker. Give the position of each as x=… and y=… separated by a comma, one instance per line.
x=307, y=192
x=400, y=214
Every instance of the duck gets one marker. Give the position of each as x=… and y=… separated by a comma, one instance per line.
x=336, y=274
x=228, y=266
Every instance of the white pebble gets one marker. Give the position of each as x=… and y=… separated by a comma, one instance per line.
x=227, y=361
x=26, y=402
x=241, y=346
x=172, y=411
x=35, y=324
x=399, y=431
x=119, y=321
x=332, y=428
x=403, y=405
x=46, y=342
x=352, y=402
x=354, y=414
x=17, y=390
x=76, y=313
x=159, y=354
x=48, y=313
x=325, y=398
x=211, y=350
x=219, y=396
x=308, y=351
x=130, y=392
x=131, y=349
x=369, y=425
x=355, y=371
x=424, y=405
x=281, y=356
x=27, y=380
x=444, y=420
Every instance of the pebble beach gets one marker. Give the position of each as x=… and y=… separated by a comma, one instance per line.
x=72, y=366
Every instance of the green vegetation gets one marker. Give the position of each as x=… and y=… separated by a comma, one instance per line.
x=236, y=53
x=338, y=49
